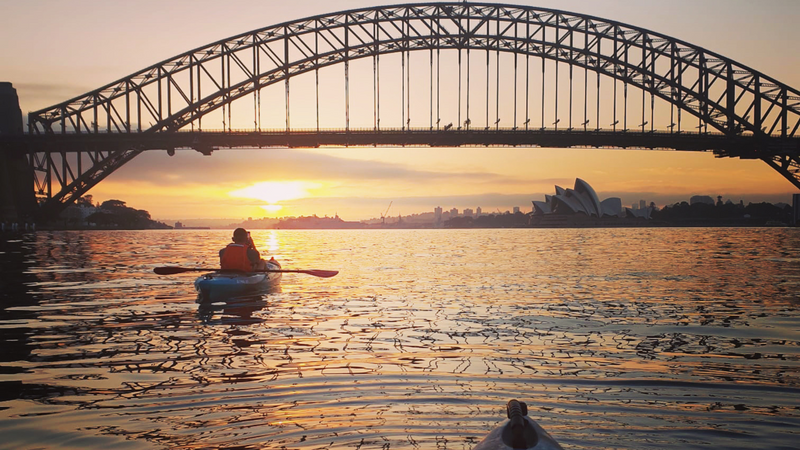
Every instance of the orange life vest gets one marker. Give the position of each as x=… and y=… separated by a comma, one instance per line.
x=235, y=258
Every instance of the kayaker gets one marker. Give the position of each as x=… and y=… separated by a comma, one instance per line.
x=241, y=254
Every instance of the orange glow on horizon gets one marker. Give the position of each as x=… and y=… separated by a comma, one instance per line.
x=419, y=179
x=274, y=192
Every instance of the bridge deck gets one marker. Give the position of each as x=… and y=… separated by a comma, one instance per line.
x=742, y=146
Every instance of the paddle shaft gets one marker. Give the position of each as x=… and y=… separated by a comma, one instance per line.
x=176, y=270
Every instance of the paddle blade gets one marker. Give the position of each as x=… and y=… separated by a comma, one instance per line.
x=321, y=273
x=170, y=270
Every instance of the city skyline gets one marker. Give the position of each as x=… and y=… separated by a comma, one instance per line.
x=446, y=213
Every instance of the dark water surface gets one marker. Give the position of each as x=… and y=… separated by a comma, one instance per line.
x=623, y=338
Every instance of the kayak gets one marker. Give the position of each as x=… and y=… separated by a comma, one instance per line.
x=225, y=284
x=519, y=432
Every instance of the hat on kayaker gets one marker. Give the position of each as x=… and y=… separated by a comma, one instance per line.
x=240, y=235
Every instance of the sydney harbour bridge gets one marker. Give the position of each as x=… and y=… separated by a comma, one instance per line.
x=426, y=74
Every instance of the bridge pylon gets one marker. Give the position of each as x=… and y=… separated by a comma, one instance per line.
x=17, y=200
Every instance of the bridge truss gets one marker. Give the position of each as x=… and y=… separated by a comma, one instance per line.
x=552, y=78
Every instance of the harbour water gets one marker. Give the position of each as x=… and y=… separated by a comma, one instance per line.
x=616, y=338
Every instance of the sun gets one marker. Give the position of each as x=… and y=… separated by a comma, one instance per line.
x=274, y=192
x=272, y=208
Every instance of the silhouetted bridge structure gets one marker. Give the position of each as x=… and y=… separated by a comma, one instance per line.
x=432, y=74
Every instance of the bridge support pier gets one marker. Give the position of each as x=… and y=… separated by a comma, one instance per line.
x=17, y=200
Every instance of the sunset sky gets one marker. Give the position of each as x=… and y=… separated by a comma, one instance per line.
x=55, y=50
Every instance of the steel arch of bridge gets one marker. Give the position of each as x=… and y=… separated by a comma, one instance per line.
x=708, y=94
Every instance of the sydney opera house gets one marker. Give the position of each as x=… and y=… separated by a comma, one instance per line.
x=582, y=199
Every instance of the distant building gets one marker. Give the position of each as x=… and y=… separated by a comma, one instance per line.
x=437, y=214
x=181, y=226
x=580, y=200
x=454, y=212
x=643, y=213
x=612, y=206
x=642, y=204
x=516, y=209
x=478, y=212
x=468, y=212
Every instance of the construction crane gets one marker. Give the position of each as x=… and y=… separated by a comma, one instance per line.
x=383, y=216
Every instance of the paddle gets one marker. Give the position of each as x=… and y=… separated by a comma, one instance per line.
x=175, y=270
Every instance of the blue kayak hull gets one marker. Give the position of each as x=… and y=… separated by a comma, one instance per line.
x=217, y=286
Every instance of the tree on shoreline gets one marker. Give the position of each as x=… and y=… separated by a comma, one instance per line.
x=729, y=211
x=116, y=214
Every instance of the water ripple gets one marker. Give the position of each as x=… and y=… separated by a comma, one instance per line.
x=417, y=344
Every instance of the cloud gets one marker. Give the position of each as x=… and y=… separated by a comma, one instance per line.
x=250, y=166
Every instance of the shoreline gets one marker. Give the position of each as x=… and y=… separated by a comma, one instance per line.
x=691, y=224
